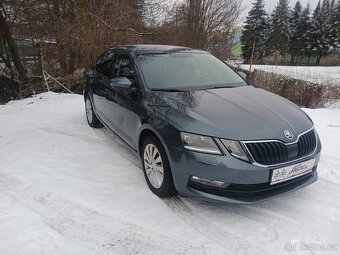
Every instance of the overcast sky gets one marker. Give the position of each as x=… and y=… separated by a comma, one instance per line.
x=270, y=4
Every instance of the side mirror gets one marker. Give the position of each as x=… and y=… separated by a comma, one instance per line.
x=121, y=82
x=242, y=74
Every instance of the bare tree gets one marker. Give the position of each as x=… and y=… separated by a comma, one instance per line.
x=71, y=33
x=210, y=22
x=8, y=15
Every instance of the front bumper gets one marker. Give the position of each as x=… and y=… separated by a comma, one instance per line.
x=245, y=183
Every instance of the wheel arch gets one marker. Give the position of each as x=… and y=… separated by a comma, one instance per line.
x=146, y=131
x=86, y=93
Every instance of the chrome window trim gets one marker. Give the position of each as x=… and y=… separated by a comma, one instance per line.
x=252, y=160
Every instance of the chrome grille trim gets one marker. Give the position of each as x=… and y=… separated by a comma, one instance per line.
x=278, y=146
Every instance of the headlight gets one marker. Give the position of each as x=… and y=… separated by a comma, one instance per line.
x=200, y=143
x=235, y=149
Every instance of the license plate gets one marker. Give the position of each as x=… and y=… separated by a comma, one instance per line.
x=291, y=172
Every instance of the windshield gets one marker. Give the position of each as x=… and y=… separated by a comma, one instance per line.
x=185, y=70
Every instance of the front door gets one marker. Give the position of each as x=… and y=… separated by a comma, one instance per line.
x=102, y=92
x=126, y=99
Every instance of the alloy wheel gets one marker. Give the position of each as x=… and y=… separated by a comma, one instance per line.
x=89, y=111
x=153, y=166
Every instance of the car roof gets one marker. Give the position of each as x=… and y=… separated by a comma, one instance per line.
x=151, y=48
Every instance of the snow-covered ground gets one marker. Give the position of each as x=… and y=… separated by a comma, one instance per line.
x=68, y=189
x=325, y=75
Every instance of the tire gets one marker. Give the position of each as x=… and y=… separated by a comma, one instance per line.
x=156, y=168
x=91, y=117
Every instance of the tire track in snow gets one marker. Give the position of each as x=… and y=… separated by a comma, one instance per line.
x=123, y=149
x=273, y=220
x=279, y=214
x=103, y=233
x=71, y=133
x=223, y=238
x=270, y=215
x=317, y=193
x=331, y=165
x=184, y=212
x=103, y=136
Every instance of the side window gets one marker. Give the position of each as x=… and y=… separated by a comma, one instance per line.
x=105, y=63
x=123, y=67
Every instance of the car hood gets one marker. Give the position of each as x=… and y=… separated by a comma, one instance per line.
x=239, y=113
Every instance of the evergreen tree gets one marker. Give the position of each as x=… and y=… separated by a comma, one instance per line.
x=303, y=38
x=266, y=35
x=336, y=24
x=294, y=25
x=316, y=32
x=278, y=41
x=253, y=38
x=321, y=30
x=332, y=35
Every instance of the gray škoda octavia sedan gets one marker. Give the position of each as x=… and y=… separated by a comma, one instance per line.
x=198, y=126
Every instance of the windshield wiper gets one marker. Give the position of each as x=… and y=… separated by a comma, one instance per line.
x=169, y=90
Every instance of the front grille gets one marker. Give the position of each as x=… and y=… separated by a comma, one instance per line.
x=275, y=152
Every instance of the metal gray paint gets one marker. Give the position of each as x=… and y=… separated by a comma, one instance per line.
x=241, y=113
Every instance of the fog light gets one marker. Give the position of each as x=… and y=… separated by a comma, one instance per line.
x=217, y=184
